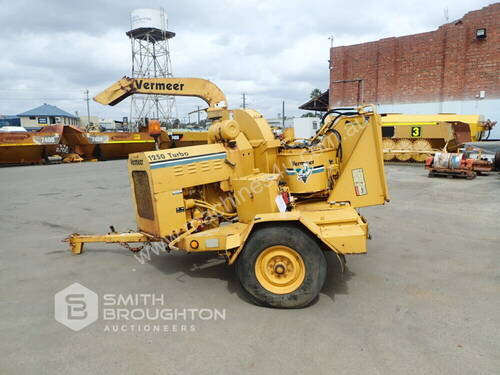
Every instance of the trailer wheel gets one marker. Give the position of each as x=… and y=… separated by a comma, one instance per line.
x=282, y=266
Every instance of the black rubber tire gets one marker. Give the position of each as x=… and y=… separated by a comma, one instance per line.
x=303, y=243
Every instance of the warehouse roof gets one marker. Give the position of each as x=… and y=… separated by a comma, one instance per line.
x=319, y=103
x=47, y=110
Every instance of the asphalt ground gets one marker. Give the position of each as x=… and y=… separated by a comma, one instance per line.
x=424, y=300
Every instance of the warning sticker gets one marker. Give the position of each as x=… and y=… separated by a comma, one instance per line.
x=358, y=177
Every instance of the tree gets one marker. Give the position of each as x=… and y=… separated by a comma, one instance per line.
x=315, y=94
x=308, y=114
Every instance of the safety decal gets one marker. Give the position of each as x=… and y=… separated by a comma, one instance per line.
x=358, y=177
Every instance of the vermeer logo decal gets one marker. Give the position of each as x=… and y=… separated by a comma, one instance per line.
x=304, y=172
x=135, y=162
x=140, y=84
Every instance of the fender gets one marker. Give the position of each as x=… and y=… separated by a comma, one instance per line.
x=337, y=229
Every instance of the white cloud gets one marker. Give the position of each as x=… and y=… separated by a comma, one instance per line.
x=273, y=50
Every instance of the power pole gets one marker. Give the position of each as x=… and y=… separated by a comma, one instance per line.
x=244, y=105
x=331, y=40
x=87, y=99
x=283, y=114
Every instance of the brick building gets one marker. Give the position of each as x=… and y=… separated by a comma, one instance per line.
x=455, y=68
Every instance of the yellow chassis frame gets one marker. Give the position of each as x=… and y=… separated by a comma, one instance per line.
x=344, y=233
x=76, y=241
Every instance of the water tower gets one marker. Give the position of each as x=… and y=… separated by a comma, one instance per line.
x=150, y=58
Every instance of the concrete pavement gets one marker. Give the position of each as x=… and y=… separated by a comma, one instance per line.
x=424, y=300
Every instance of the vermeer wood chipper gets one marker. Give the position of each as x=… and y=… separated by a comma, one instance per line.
x=271, y=206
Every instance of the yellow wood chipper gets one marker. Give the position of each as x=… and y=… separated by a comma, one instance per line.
x=271, y=206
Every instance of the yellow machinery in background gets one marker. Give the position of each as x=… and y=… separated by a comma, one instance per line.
x=272, y=207
x=118, y=145
x=72, y=143
x=416, y=137
x=30, y=147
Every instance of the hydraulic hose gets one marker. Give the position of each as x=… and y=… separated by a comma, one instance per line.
x=211, y=207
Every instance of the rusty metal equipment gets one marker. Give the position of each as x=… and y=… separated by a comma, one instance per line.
x=273, y=207
x=456, y=165
x=74, y=144
x=30, y=147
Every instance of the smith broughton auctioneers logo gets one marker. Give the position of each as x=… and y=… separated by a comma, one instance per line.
x=77, y=307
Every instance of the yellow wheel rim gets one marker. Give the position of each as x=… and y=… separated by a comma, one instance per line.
x=280, y=269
